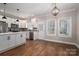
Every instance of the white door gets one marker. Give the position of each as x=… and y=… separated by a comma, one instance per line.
x=3, y=43
x=41, y=29
x=11, y=39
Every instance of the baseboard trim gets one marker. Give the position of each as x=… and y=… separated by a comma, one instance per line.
x=70, y=43
x=77, y=46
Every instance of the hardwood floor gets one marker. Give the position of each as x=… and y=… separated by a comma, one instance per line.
x=42, y=48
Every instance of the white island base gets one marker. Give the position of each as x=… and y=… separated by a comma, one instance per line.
x=11, y=40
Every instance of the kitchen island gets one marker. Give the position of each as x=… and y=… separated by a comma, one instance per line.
x=11, y=40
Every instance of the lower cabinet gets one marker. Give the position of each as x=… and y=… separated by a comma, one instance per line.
x=3, y=43
x=11, y=40
x=24, y=37
x=7, y=41
x=19, y=39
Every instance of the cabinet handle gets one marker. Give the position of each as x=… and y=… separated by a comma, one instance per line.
x=21, y=35
x=8, y=38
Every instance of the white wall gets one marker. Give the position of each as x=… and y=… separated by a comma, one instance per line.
x=77, y=27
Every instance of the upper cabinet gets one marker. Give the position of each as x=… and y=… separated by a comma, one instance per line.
x=65, y=27
x=22, y=24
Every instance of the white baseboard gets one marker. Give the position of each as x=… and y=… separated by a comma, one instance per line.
x=77, y=46
x=70, y=43
x=59, y=41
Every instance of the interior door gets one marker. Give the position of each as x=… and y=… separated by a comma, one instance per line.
x=41, y=29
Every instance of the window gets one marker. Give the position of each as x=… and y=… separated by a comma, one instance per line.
x=51, y=27
x=64, y=27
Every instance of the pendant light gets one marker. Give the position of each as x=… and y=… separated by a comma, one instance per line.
x=4, y=17
x=17, y=14
x=55, y=10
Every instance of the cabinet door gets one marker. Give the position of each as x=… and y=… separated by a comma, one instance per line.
x=3, y=43
x=24, y=36
x=20, y=38
x=11, y=39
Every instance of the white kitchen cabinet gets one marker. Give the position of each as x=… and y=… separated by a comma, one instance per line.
x=22, y=23
x=11, y=40
x=8, y=41
x=20, y=38
x=3, y=42
x=24, y=37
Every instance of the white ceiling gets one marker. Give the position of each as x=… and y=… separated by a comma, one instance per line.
x=31, y=9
